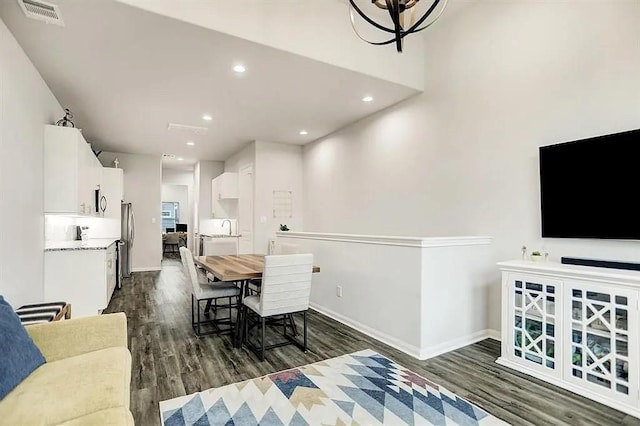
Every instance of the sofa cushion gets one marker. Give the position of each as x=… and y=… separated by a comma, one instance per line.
x=63, y=390
x=20, y=356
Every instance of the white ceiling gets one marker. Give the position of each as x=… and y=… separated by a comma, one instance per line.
x=126, y=73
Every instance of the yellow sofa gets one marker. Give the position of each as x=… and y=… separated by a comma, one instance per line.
x=85, y=380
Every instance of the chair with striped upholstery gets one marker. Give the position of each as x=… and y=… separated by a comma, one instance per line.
x=286, y=288
x=43, y=312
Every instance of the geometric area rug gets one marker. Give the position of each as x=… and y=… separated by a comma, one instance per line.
x=362, y=388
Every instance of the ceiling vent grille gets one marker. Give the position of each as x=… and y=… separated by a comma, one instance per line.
x=185, y=128
x=42, y=11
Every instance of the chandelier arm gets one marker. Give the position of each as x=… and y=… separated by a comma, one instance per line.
x=376, y=43
x=394, y=12
x=430, y=23
x=425, y=16
x=369, y=20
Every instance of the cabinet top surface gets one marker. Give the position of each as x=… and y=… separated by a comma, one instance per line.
x=90, y=244
x=562, y=269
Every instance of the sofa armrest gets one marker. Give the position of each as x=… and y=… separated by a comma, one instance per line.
x=64, y=339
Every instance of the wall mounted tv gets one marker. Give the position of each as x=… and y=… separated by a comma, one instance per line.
x=591, y=188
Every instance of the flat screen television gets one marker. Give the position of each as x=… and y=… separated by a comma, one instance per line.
x=591, y=188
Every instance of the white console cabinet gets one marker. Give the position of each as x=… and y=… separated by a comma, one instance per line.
x=576, y=327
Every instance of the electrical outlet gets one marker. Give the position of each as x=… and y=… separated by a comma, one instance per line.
x=339, y=290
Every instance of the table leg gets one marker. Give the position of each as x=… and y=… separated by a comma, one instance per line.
x=239, y=317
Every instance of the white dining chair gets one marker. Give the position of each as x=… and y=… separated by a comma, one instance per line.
x=204, y=291
x=286, y=289
x=220, y=247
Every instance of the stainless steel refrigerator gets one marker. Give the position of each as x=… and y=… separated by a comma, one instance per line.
x=127, y=237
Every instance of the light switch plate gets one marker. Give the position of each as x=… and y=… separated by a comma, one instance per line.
x=153, y=220
x=263, y=219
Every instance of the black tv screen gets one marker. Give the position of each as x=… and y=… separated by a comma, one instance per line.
x=591, y=188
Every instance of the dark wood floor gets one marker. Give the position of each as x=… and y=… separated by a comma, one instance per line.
x=169, y=361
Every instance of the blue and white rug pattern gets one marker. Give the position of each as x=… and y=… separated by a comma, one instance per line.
x=363, y=388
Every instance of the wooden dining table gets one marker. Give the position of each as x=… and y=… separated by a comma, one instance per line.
x=240, y=268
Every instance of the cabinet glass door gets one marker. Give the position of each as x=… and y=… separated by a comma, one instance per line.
x=602, y=339
x=535, y=323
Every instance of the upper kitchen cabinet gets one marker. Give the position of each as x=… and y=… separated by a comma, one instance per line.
x=224, y=192
x=226, y=185
x=72, y=173
x=111, y=193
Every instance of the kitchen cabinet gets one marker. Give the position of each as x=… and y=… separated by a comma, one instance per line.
x=82, y=274
x=112, y=189
x=71, y=172
x=224, y=195
x=576, y=327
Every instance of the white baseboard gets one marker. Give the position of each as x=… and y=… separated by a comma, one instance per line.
x=452, y=345
x=418, y=353
x=495, y=335
x=147, y=269
x=382, y=337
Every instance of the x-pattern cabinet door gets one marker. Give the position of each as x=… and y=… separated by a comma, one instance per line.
x=601, y=339
x=535, y=321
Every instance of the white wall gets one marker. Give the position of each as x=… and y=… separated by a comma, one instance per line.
x=461, y=159
x=278, y=168
x=142, y=188
x=26, y=105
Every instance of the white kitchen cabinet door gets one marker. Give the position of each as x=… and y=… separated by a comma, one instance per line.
x=228, y=186
x=112, y=190
x=71, y=172
x=77, y=277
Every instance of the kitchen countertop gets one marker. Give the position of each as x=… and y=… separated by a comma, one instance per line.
x=220, y=235
x=90, y=244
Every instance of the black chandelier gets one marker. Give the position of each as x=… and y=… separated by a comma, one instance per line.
x=397, y=10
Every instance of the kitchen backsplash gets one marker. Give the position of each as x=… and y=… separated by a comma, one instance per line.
x=63, y=228
x=214, y=226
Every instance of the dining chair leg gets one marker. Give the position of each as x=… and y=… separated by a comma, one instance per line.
x=304, y=316
x=245, y=317
x=293, y=325
x=192, y=321
x=198, y=317
x=262, y=320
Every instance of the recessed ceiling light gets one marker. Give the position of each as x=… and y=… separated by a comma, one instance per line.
x=367, y=99
x=207, y=117
x=180, y=158
x=239, y=68
x=304, y=132
x=191, y=143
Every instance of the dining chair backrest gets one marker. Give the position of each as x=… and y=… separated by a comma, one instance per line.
x=289, y=248
x=221, y=247
x=190, y=271
x=172, y=238
x=286, y=284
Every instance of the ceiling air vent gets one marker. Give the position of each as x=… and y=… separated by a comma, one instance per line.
x=185, y=128
x=42, y=11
